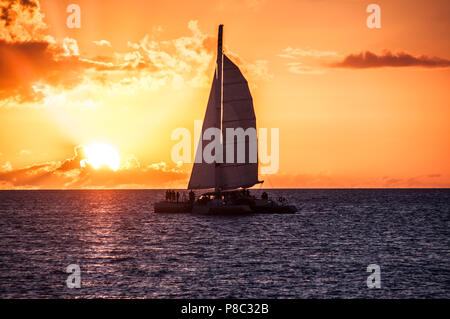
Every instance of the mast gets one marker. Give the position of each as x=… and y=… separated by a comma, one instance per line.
x=219, y=95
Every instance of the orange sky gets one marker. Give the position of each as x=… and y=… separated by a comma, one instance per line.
x=381, y=119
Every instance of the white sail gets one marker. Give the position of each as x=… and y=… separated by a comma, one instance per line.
x=203, y=174
x=237, y=113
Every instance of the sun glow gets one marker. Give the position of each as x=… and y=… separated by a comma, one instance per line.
x=101, y=154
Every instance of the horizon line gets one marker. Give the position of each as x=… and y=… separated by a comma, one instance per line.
x=182, y=189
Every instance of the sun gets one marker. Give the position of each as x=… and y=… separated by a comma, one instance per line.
x=100, y=154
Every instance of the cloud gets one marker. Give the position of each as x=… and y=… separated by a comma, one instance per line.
x=300, y=68
x=185, y=59
x=28, y=176
x=306, y=61
x=39, y=71
x=102, y=43
x=24, y=63
x=38, y=61
x=24, y=153
x=70, y=47
x=6, y=167
x=21, y=20
x=293, y=53
x=29, y=55
x=311, y=61
x=68, y=174
x=257, y=70
x=73, y=162
x=368, y=59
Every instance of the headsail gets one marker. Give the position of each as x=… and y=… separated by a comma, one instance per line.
x=230, y=105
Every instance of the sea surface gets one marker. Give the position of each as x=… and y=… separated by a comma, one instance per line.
x=125, y=250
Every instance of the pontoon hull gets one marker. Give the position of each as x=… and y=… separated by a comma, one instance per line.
x=223, y=210
x=165, y=207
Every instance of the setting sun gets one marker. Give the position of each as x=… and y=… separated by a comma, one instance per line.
x=101, y=154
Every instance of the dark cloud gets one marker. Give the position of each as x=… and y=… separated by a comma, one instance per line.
x=29, y=3
x=368, y=59
x=6, y=15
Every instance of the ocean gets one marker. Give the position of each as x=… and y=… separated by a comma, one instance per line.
x=124, y=250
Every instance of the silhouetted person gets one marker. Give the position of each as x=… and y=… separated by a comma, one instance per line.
x=265, y=196
x=191, y=196
x=178, y=197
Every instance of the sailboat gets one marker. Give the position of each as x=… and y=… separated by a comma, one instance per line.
x=230, y=106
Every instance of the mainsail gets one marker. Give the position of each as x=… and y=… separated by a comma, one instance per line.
x=230, y=106
x=203, y=174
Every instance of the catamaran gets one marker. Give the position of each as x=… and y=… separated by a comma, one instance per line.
x=230, y=106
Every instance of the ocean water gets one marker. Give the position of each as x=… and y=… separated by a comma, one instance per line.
x=125, y=250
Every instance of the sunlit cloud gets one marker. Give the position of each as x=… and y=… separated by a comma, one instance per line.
x=294, y=53
x=101, y=43
x=24, y=153
x=70, y=47
x=22, y=21
x=46, y=72
x=300, y=68
x=306, y=61
x=72, y=174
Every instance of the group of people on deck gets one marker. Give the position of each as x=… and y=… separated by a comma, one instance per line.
x=172, y=196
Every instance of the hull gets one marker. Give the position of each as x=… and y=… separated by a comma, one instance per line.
x=165, y=207
x=285, y=209
x=214, y=207
x=269, y=207
x=221, y=210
